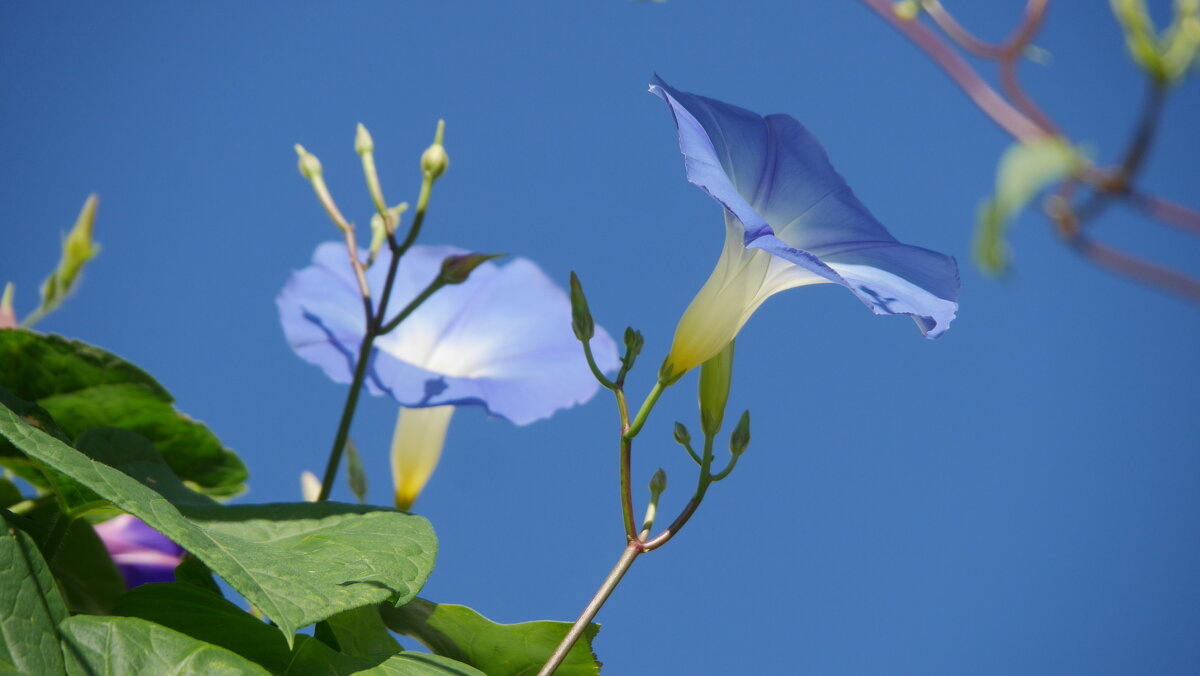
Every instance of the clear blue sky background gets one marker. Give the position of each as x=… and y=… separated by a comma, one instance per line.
x=1018, y=497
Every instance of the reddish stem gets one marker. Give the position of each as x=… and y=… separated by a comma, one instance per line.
x=1001, y=111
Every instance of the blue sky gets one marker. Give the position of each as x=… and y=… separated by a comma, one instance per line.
x=1017, y=497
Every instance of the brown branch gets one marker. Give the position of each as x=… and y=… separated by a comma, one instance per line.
x=1013, y=121
x=1166, y=211
x=1014, y=47
x=959, y=34
x=1138, y=269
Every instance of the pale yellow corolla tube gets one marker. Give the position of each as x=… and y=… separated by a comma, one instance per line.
x=742, y=280
x=416, y=449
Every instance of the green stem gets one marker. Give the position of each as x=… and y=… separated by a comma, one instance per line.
x=413, y=304
x=591, y=360
x=632, y=550
x=680, y=521
x=640, y=419
x=343, y=430
x=418, y=218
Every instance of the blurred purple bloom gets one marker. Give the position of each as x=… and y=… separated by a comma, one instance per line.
x=142, y=554
x=791, y=220
x=501, y=340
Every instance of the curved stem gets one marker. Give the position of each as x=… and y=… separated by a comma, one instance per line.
x=1167, y=211
x=702, y=484
x=1138, y=269
x=632, y=550
x=596, y=372
x=962, y=36
x=640, y=419
x=1002, y=112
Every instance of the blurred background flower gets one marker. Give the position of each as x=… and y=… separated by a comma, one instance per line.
x=142, y=554
x=501, y=340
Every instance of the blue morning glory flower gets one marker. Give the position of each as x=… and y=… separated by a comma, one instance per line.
x=502, y=340
x=790, y=220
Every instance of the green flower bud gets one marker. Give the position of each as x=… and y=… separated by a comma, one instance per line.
x=740, y=439
x=715, y=377
x=78, y=249
x=310, y=166
x=658, y=483
x=435, y=161
x=682, y=436
x=457, y=269
x=363, y=143
x=581, y=316
x=634, y=341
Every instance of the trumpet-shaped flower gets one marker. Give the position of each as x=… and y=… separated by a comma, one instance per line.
x=790, y=220
x=142, y=554
x=501, y=340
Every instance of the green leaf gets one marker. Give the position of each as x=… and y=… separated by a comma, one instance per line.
x=128, y=645
x=9, y=493
x=354, y=471
x=207, y=617
x=30, y=609
x=82, y=386
x=298, y=563
x=361, y=633
x=192, y=571
x=313, y=657
x=86, y=574
x=495, y=649
x=1025, y=169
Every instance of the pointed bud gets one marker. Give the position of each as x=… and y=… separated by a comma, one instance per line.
x=435, y=161
x=456, y=269
x=310, y=166
x=682, y=436
x=363, y=143
x=78, y=249
x=634, y=341
x=740, y=439
x=581, y=316
x=715, y=377
x=8, y=316
x=658, y=483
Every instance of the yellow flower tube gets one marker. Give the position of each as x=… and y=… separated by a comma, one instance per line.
x=416, y=449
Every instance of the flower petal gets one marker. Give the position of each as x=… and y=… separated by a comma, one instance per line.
x=890, y=278
x=774, y=177
x=501, y=340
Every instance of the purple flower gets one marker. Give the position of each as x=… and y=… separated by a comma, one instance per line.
x=790, y=220
x=142, y=554
x=501, y=340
